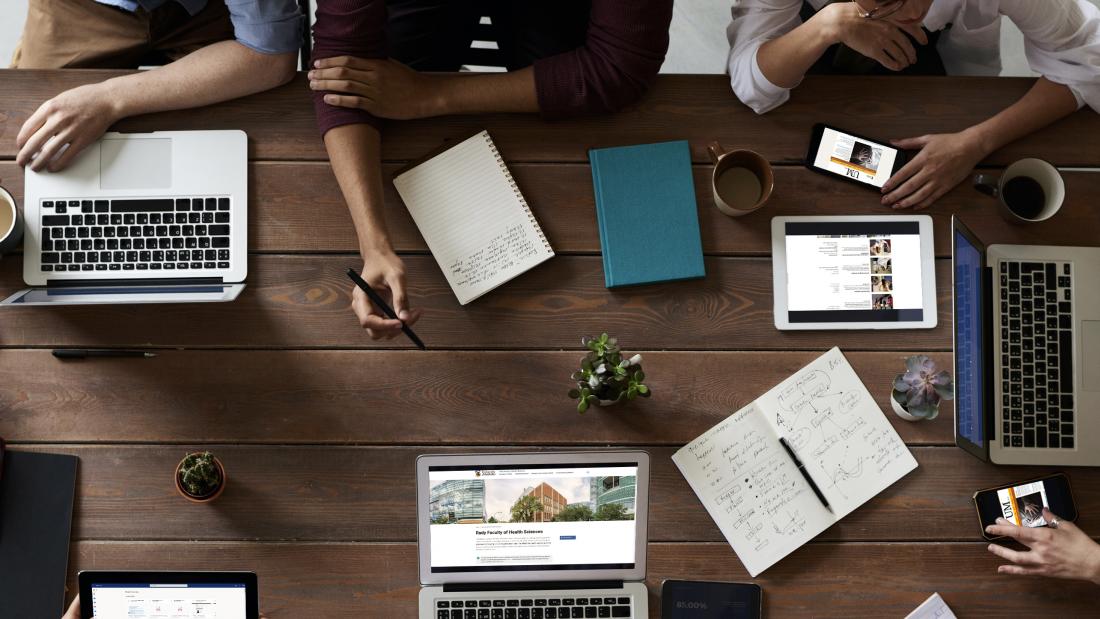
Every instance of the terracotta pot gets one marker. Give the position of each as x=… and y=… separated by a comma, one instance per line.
x=206, y=499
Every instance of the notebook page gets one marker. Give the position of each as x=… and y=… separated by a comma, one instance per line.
x=473, y=218
x=838, y=431
x=752, y=489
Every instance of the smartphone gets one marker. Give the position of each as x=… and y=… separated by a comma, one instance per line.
x=695, y=599
x=854, y=158
x=1023, y=503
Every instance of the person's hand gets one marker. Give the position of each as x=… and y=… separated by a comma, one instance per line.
x=385, y=272
x=75, y=117
x=944, y=160
x=1062, y=552
x=385, y=88
x=878, y=39
x=74, y=610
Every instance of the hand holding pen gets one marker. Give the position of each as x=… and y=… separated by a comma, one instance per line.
x=380, y=304
x=385, y=274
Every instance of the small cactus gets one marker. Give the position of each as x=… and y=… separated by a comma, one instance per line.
x=921, y=387
x=199, y=474
x=605, y=375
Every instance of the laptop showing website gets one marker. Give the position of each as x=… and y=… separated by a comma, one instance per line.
x=533, y=535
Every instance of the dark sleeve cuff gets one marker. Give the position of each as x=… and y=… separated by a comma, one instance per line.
x=331, y=116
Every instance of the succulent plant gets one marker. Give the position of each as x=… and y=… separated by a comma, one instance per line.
x=921, y=387
x=199, y=474
x=605, y=375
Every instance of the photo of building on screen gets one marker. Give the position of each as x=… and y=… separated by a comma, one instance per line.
x=566, y=499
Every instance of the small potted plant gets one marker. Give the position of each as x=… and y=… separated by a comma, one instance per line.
x=918, y=391
x=200, y=477
x=605, y=377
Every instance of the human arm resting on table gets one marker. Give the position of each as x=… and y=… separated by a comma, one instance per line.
x=218, y=72
x=624, y=48
x=1062, y=39
x=1064, y=551
x=771, y=48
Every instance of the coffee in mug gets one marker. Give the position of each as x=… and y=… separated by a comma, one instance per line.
x=741, y=181
x=11, y=223
x=1030, y=190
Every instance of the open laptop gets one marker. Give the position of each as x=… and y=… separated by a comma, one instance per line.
x=533, y=536
x=1027, y=351
x=139, y=218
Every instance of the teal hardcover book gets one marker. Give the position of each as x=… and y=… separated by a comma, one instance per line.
x=649, y=221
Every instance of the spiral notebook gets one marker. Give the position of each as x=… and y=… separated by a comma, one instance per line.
x=473, y=217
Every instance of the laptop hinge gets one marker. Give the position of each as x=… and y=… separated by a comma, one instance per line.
x=548, y=585
x=990, y=407
x=89, y=283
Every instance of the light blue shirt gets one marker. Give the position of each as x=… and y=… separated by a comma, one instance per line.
x=266, y=26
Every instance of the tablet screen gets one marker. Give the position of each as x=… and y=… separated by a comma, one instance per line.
x=170, y=600
x=857, y=271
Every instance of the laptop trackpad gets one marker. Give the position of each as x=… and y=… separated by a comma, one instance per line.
x=1090, y=343
x=135, y=163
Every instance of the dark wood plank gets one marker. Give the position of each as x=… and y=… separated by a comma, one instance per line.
x=368, y=494
x=304, y=301
x=386, y=397
x=697, y=108
x=297, y=207
x=820, y=580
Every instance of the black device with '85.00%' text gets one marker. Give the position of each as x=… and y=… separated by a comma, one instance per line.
x=688, y=599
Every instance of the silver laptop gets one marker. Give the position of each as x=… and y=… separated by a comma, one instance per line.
x=533, y=536
x=139, y=218
x=1027, y=351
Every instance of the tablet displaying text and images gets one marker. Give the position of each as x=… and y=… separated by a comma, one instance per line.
x=170, y=600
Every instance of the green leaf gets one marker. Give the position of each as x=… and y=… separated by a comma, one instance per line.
x=582, y=406
x=639, y=376
x=642, y=389
x=592, y=399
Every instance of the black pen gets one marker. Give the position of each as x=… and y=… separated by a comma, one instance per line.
x=805, y=473
x=84, y=353
x=386, y=309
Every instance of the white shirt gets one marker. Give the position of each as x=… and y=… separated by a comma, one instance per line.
x=1061, y=42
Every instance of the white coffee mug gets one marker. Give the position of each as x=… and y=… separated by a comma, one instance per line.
x=1029, y=206
x=11, y=223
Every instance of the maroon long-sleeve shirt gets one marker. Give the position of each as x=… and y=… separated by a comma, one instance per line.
x=624, y=48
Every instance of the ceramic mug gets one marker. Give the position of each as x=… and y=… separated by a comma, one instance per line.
x=1028, y=191
x=742, y=180
x=11, y=223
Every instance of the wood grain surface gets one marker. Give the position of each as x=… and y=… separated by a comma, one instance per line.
x=319, y=427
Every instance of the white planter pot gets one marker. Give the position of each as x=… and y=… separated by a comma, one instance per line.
x=901, y=412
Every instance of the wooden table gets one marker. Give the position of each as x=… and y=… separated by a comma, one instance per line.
x=319, y=426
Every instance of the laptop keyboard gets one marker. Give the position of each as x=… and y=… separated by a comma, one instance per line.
x=534, y=608
x=162, y=234
x=1037, y=354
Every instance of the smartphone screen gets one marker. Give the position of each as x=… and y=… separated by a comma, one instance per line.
x=1022, y=504
x=854, y=157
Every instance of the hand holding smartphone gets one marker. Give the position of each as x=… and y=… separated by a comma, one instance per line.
x=854, y=158
x=1022, y=504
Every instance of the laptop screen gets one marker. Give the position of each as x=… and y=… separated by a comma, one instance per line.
x=532, y=517
x=969, y=347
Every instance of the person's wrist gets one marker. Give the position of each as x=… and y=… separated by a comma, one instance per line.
x=831, y=22
x=1094, y=567
x=980, y=140
x=444, y=95
x=109, y=102
x=374, y=247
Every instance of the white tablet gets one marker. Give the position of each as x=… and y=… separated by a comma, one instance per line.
x=858, y=272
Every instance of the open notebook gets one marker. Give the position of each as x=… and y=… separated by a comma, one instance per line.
x=473, y=217
x=750, y=485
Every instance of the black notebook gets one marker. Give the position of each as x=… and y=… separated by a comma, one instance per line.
x=36, y=514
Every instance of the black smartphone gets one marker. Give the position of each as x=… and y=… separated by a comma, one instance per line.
x=854, y=158
x=694, y=599
x=1023, y=503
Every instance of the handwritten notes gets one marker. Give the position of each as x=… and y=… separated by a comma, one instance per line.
x=473, y=218
x=753, y=490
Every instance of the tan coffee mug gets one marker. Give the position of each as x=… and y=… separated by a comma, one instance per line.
x=11, y=223
x=742, y=180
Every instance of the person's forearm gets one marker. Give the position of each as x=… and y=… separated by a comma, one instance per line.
x=1043, y=104
x=786, y=59
x=355, y=153
x=215, y=73
x=494, y=92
